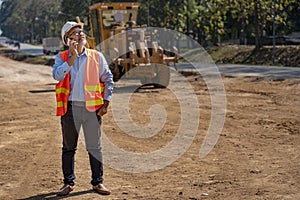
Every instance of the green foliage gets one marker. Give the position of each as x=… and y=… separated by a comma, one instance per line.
x=204, y=20
x=29, y=20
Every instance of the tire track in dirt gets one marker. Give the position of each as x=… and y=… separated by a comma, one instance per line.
x=256, y=157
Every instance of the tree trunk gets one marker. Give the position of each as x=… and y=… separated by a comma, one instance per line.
x=256, y=24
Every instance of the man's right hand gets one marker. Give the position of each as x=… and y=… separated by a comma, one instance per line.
x=73, y=47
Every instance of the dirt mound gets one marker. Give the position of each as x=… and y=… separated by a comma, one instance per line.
x=239, y=54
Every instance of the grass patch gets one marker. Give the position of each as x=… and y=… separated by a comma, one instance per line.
x=40, y=60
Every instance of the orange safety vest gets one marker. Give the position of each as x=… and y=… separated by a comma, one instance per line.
x=93, y=89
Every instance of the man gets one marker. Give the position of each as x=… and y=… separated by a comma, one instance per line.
x=82, y=94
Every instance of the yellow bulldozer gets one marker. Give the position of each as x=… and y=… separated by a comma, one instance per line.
x=130, y=49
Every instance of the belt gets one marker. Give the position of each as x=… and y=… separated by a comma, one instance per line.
x=77, y=103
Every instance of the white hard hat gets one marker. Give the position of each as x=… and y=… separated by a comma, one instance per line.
x=66, y=28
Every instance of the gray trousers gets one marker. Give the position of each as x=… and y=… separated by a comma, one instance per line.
x=76, y=117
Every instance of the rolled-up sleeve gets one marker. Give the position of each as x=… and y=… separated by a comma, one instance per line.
x=106, y=77
x=60, y=68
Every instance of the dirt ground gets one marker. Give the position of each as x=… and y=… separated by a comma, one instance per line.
x=256, y=157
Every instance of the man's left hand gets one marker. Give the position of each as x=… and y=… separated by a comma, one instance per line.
x=103, y=110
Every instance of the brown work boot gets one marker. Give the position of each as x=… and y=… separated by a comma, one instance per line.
x=65, y=190
x=101, y=189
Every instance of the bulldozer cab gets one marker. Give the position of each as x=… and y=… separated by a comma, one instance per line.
x=112, y=18
x=127, y=45
x=108, y=19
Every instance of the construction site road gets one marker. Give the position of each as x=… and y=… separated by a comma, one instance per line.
x=255, y=157
x=238, y=70
x=25, y=48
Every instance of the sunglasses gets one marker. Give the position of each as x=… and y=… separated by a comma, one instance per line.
x=77, y=32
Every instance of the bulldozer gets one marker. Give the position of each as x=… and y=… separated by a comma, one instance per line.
x=131, y=50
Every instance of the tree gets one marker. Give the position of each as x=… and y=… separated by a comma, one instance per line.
x=7, y=9
x=29, y=20
x=254, y=18
x=204, y=20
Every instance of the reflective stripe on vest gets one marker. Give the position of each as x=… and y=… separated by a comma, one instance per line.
x=93, y=90
x=62, y=90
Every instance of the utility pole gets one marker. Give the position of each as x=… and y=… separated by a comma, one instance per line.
x=274, y=32
x=33, y=29
x=148, y=14
x=32, y=32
